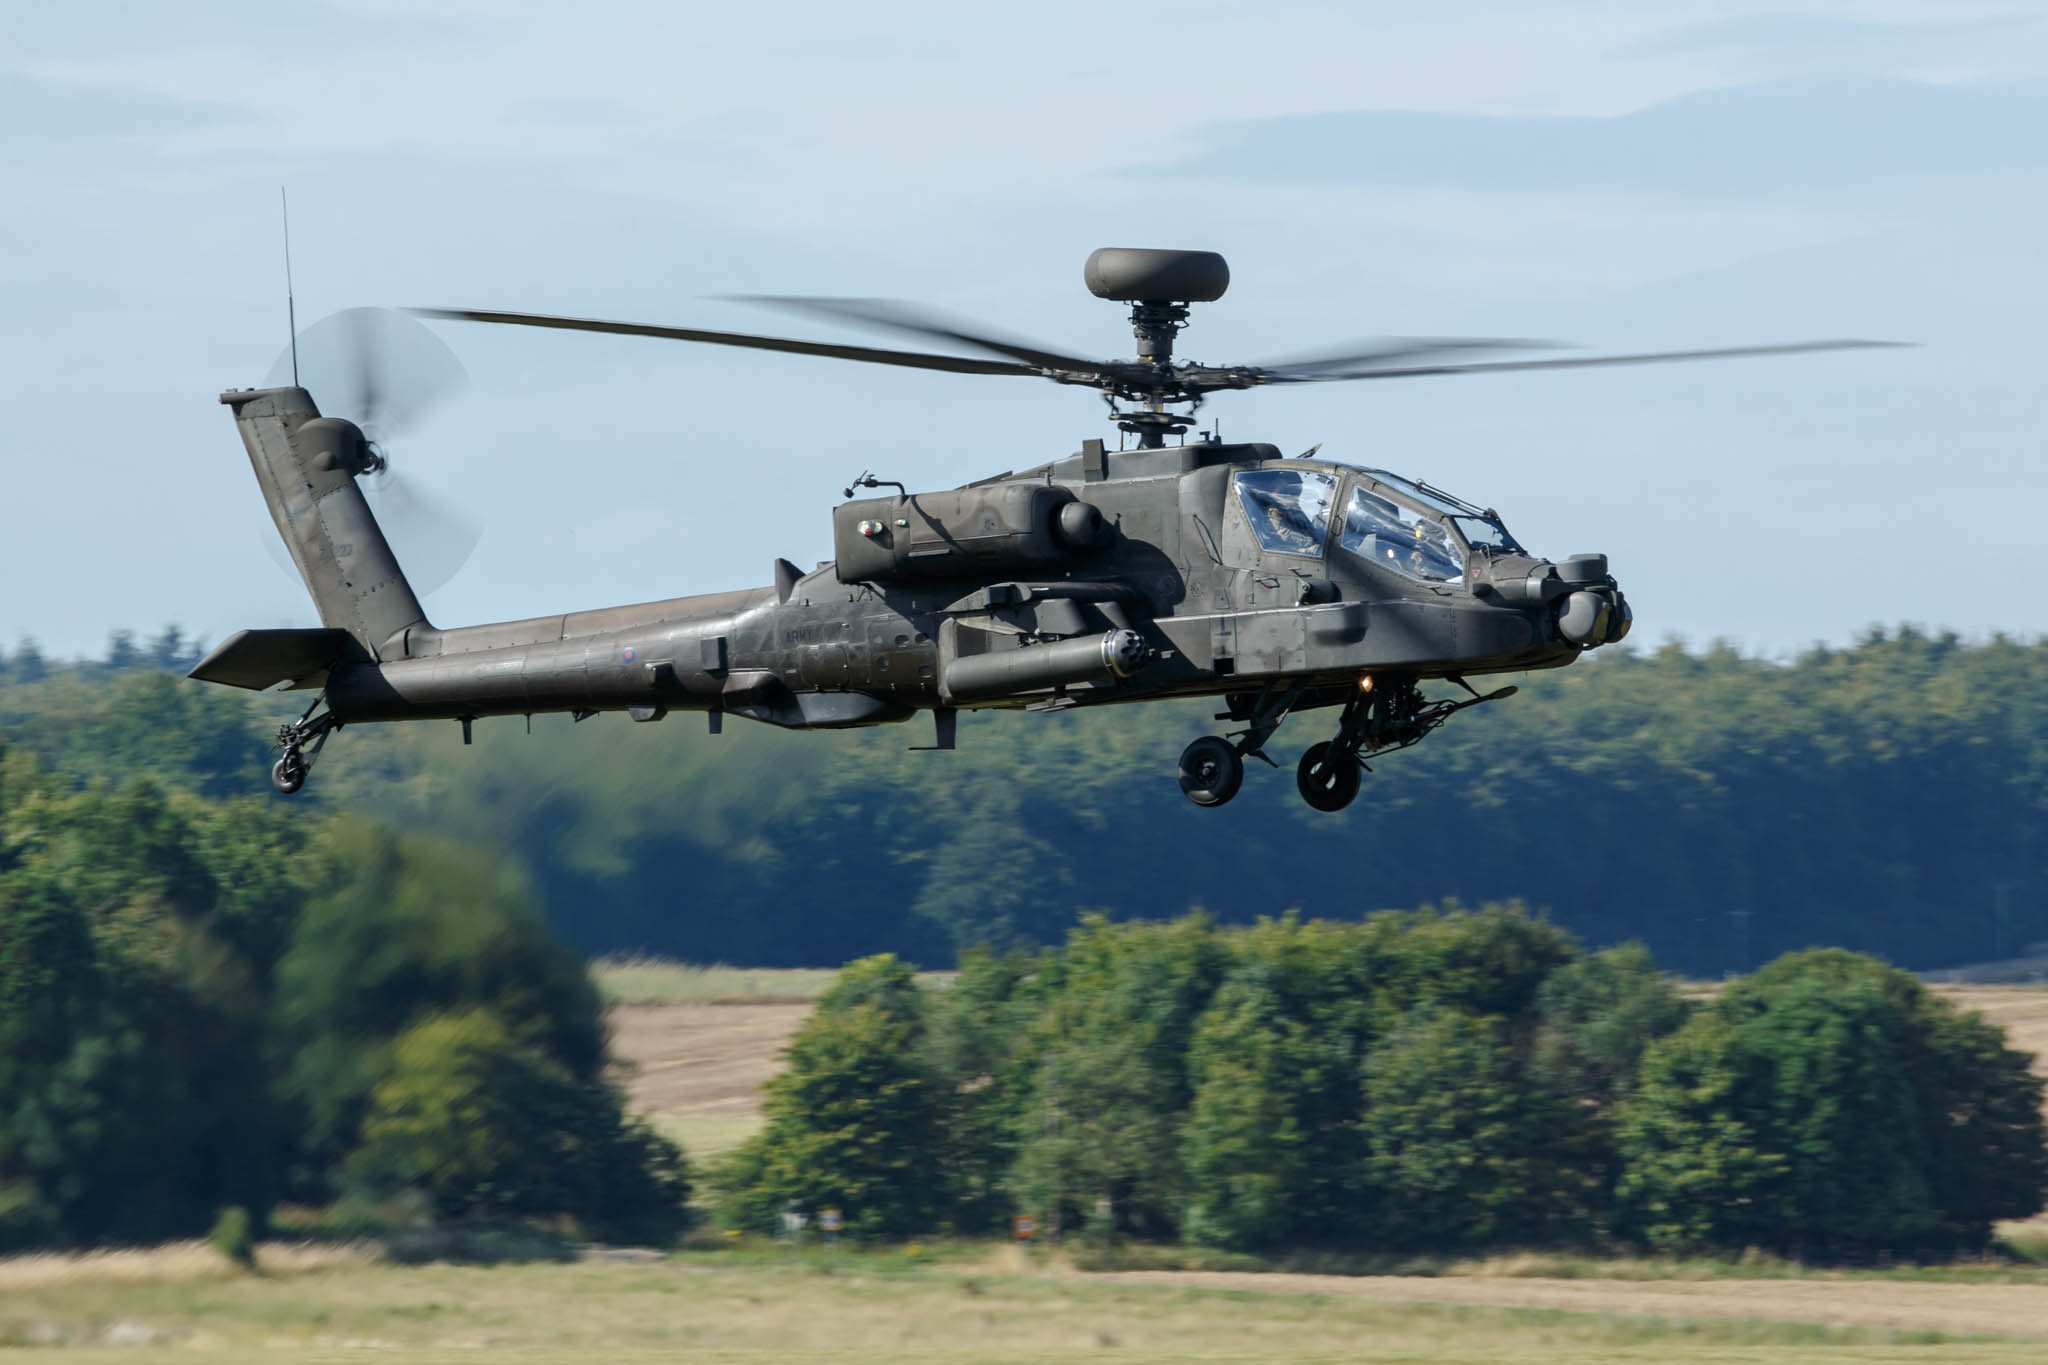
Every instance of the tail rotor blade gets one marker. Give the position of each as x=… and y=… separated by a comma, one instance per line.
x=382, y=369
x=387, y=372
x=431, y=537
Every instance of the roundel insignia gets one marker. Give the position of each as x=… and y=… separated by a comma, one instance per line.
x=626, y=654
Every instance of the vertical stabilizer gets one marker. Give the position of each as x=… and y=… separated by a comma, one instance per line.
x=307, y=465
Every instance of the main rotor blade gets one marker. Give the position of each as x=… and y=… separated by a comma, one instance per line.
x=1577, y=362
x=903, y=317
x=912, y=359
x=1388, y=350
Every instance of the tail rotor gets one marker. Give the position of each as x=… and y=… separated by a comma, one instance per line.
x=388, y=373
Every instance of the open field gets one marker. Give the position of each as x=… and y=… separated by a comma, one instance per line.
x=701, y=1061
x=745, y=1306
x=2021, y=1010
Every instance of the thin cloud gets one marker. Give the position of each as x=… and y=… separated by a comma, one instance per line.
x=1774, y=138
x=1820, y=35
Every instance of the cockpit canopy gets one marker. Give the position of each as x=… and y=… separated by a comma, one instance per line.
x=1409, y=527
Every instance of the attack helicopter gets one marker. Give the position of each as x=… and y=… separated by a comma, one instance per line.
x=1163, y=568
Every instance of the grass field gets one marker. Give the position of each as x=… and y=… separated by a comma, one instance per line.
x=747, y=1305
x=694, y=1046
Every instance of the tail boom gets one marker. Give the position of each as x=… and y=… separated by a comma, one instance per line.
x=307, y=466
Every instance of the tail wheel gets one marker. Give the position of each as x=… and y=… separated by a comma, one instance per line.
x=288, y=774
x=1210, y=771
x=1328, y=776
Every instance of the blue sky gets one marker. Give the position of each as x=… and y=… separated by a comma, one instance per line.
x=1652, y=175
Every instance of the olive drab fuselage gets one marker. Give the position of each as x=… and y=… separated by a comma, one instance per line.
x=1176, y=563
x=1107, y=576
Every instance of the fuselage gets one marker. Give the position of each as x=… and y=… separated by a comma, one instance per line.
x=1230, y=586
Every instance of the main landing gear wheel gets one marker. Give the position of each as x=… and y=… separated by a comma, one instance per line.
x=288, y=774
x=1328, y=776
x=1210, y=771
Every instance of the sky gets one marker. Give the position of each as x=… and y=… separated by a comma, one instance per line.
x=1665, y=174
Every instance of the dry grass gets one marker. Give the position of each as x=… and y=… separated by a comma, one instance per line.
x=173, y=1263
x=2018, y=1310
x=659, y=981
x=701, y=1061
x=2021, y=1010
x=706, y=1137
x=751, y=1306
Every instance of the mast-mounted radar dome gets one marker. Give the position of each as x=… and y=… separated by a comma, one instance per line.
x=1141, y=275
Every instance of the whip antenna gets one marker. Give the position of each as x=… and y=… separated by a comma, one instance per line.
x=291, y=310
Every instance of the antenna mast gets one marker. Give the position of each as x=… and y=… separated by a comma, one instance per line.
x=291, y=309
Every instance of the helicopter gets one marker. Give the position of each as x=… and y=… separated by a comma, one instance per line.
x=1165, y=568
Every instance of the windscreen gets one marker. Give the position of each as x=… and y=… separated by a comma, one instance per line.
x=1289, y=509
x=1481, y=531
x=1399, y=538
x=1485, y=533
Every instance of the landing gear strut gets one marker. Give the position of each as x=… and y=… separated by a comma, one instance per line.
x=1212, y=768
x=1383, y=715
x=288, y=774
x=1378, y=720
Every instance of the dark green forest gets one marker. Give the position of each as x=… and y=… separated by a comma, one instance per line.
x=1722, y=809
x=1419, y=1082
x=210, y=1007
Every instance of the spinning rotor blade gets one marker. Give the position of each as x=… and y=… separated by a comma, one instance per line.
x=375, y=366
x=1388, y=351
x=913, y=359
x=1575, y=362
x=386, y=372
x=431, y=536
x=904, y=317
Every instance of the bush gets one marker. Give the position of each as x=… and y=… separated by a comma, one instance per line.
x=487, y=1127
x=231, y=1237
x=182, y=1033
x=418, y=928
x=857, y=1120
x=1828, y=1105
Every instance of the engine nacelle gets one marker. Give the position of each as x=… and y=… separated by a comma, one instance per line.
x=963, y=533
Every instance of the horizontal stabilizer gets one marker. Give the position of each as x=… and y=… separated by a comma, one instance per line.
x=260, y=659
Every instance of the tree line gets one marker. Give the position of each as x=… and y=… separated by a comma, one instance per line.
x=1434, y=1081
x=1723, y=809
x=210, y=1005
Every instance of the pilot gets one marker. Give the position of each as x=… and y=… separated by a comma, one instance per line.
x=1285, y=519
x=1290, y=516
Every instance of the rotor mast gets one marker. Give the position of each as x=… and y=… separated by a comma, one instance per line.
x=1159, y=286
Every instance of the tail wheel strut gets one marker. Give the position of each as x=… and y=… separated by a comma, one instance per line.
x=293, y=766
